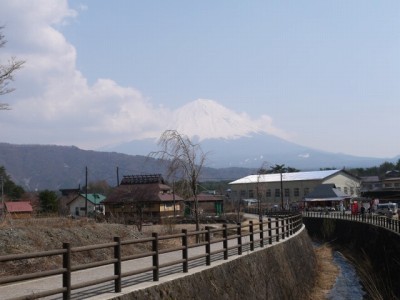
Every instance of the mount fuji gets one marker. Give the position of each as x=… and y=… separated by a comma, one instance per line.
x=231, y=139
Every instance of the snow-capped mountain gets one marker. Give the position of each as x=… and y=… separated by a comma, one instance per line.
x=234, y=139
x=207, y=119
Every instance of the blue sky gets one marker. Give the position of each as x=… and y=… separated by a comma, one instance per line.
x=326, y=73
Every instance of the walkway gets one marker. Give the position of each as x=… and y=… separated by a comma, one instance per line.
x=143, y=280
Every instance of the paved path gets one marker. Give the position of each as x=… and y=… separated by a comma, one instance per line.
x=106, y=290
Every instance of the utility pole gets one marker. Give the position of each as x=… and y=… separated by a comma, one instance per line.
x=173, y=196
x=2, y=195
x=117, y=176
x=86, y=193
x=259, y=197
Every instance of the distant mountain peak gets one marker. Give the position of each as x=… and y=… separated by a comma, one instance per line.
x=207, y=119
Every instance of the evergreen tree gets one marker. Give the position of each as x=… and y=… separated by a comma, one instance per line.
x=10, y=189
x=48, y=201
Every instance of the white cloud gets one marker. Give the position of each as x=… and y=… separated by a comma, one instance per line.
x=54, y=104
x=265, y=124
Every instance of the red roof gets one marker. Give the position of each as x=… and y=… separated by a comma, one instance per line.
x=19, y=206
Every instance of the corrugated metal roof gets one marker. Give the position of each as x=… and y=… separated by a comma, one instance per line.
x=326, y=191
x=295, y=176
x=94, y=198
x=19, y=206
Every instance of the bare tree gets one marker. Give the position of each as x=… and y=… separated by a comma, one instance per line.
x=7, y=72
x=185, y=159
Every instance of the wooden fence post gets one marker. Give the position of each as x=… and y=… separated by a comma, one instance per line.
x=261, y=227
x=270, y=231
x=66, y=278
x=117, y=265
x=225, y=241
x=208, y=246
x=185, y=264
x=295, y=223
x=277, y=229
x=251, y=227
x=156, y=262
x=239, y=238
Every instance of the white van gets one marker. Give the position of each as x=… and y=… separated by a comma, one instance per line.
x=387, y=208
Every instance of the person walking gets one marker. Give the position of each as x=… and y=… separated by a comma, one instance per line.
x=363, y=213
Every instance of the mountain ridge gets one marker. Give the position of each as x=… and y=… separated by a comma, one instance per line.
x=250, y=142
x=235, y=146
x=259, y=149
x=54, y=167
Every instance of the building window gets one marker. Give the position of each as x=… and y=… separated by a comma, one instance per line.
x=345, y=190
x=306, y=191
x=268, y=193
x=251, y=194
x=242, y=193
x=339, y=188
x=168, y=205
x=277, y=192
x=287, y=192
x=296, y=192
x=351, y=190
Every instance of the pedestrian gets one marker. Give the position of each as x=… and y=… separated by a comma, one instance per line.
x=363, y=212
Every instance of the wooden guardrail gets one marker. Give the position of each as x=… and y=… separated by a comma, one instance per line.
x=392, y=224
x=259, y=233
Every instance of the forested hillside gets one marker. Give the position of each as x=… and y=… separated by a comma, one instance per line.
x=39, y=167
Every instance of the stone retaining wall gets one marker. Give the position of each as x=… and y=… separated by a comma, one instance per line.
x=284, y=271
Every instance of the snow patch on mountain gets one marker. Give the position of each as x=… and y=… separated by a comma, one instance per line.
x=207, y=119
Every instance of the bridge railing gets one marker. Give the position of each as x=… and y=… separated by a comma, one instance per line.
x=389, y=223
x=228, y=240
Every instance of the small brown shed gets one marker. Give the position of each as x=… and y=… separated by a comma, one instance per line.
x=19, y=209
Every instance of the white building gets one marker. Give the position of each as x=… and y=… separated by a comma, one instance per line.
x=94, y=203
x=293, y=186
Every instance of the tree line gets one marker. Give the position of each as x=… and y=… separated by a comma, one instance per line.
x=380, y=170
x=10, y=191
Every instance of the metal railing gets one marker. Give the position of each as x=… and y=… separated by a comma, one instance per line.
x=228, y=240
x=374, y=219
